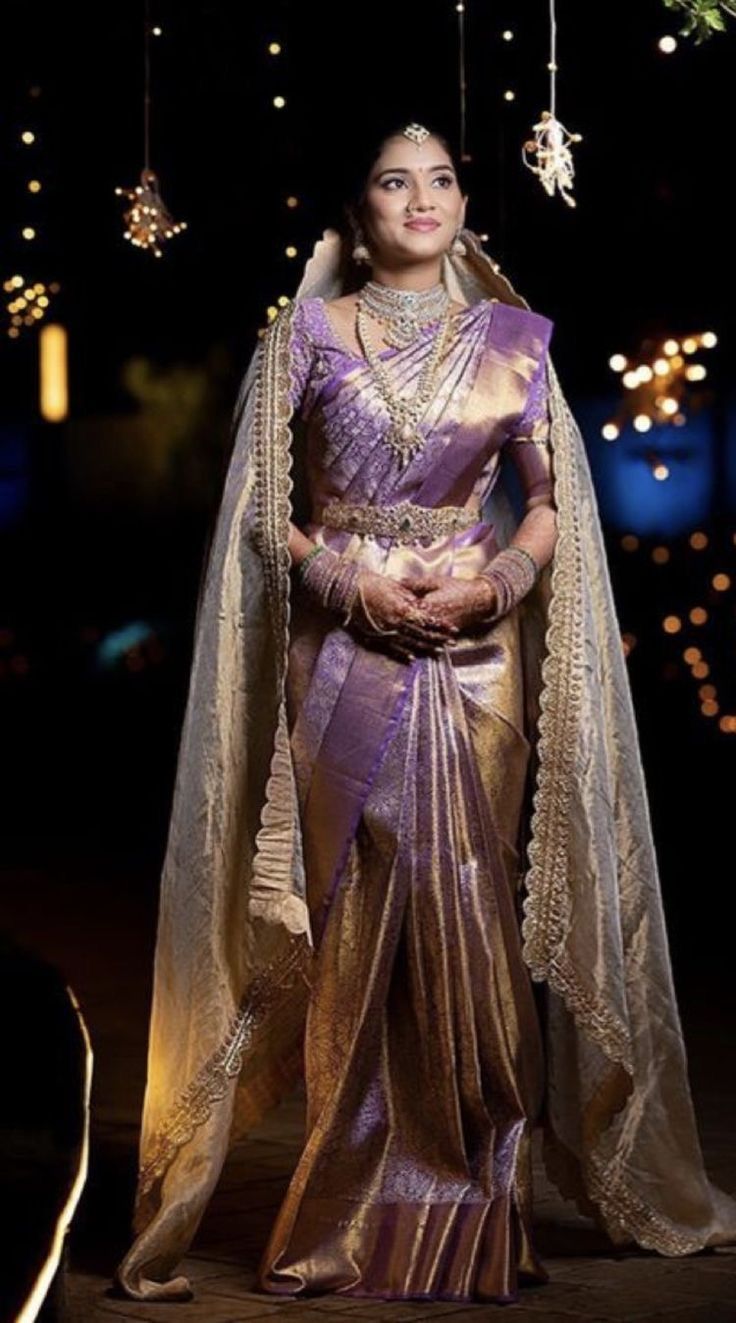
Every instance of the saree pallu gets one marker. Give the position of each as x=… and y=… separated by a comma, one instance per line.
x=423, y=1055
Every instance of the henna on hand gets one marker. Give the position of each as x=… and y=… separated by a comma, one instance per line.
x=387, y=604
x=458, y=602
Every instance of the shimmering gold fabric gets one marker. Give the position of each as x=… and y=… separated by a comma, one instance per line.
x=424, y=1060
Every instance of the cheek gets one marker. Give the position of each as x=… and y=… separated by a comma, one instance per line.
x=386, y=206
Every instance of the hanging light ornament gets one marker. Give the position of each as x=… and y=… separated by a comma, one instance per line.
x=551, y=142
x=149, y=222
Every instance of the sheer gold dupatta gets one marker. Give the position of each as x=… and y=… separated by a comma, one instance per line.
x=620, y=1131
x=234, y=946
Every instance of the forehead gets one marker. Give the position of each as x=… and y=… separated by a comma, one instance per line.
x=422, y=157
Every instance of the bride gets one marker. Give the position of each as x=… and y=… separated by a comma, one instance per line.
x=410, y=856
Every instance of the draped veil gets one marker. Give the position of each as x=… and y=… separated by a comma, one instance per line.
x=234, y=947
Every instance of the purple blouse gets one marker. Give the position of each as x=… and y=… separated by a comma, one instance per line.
x=491, y=391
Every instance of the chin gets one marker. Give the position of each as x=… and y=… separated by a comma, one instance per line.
x=424, y=245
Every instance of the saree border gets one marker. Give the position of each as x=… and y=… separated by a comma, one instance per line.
x=547, y=906
x=277, y=903
x=211, y=1082
x=278, y=860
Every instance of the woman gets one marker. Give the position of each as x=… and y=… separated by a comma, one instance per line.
x=409, y=720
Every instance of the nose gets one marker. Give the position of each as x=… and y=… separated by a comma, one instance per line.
x=420, y=198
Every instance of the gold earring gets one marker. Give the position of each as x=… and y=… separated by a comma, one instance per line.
x=457, y=247
x=360, y=251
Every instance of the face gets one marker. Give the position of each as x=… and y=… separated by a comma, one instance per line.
x=413, y=183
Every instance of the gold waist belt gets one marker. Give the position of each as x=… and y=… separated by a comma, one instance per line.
x=404, y=522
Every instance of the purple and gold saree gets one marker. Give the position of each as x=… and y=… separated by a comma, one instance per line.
x=369, y=860
x=424, y=1063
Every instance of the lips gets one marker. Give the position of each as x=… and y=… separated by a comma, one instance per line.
x=421, y=225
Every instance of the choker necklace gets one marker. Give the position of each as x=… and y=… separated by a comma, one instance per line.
x=404, y=311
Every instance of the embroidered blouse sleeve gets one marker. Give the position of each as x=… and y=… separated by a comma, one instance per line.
x=528, y=447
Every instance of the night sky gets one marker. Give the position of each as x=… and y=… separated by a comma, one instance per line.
x=646, y=249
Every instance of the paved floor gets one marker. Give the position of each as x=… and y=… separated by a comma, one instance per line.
x=101, y=937
x=584, y=1285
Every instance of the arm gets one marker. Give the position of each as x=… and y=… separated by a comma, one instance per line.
x=299, y=544
x=532, y=458
x=511, y=574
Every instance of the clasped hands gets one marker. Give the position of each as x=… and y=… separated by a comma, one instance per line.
x=419, y=614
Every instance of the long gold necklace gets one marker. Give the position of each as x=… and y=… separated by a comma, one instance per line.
x=403, y=435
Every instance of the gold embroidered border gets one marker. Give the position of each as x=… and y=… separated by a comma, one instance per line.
x=273, y=474
x=274, y=889
x=210, y=1084
x=547, y=905
x=601, y=1193
x=622, y=1208
x=272, y=458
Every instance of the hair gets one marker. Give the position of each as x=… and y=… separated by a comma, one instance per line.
x=348, y=207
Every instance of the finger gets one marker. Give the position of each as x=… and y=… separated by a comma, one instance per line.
x=418, y=585
x=431, y=620
x=429, y=633
x=402, y=654
x=418, y=639
x=443, y=623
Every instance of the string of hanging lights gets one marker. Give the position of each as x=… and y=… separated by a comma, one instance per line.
x=148, y=221
x=28, y=300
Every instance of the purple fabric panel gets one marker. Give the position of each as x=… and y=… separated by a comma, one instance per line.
x=516, y=335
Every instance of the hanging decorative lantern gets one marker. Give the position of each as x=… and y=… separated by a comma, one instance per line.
x=553, y=164
x=148, y=220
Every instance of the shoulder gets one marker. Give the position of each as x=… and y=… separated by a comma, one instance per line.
x=521, y=329
x=301, y=316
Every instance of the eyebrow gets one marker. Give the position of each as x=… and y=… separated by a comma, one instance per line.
x=399, y=170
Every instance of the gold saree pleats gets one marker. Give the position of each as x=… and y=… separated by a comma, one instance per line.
x=423, y=1056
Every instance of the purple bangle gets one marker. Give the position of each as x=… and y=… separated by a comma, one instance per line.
x=513, y=572
x=332, y=579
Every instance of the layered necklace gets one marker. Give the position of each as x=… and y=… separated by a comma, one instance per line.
x=403, y=313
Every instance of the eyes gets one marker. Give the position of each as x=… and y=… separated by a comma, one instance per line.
x=446, y=180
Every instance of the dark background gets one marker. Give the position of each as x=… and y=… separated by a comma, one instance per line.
x=104, y=525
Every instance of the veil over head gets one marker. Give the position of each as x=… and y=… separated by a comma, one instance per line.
x=234, y=947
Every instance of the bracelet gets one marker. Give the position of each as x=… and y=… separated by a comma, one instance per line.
x=513, y=572
x=301, y=567
x=332, y=579
x=522, y=551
